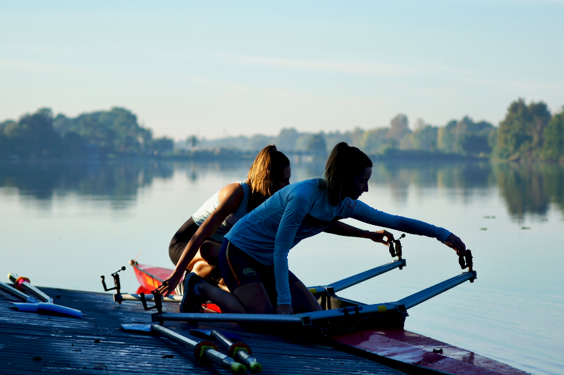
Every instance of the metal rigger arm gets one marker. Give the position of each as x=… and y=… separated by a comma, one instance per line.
x=337, y=286
x=374, y=311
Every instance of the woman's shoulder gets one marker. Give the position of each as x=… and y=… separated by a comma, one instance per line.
x=308, y=185
x=308, y=190
x=234, y=190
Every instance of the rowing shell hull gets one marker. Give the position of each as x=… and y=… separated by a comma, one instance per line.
x=152, y=278
x=415, y=349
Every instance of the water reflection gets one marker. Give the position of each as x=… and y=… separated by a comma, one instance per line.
x=114, y=180
x=527, y=189
x=530, y=188
x=466, y=177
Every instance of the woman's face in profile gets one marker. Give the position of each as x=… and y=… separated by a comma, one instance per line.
x=359, y=184
x=284, y=179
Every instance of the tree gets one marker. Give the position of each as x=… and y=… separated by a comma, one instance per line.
x=317, y=145
x=419, y=124
x=34, y=136
x=286, y=140
x=116, y=131
x=425, y=138
x=192, y=141
x=553, y=147
x=399, y=127
x=375, y=140
x=520, y=134
x=160, y=146
x=466, y=137
x=74, y=144
x=356, y=137
x=258, y=142
x=331, y=139
x=447, y=137
x=301, y=142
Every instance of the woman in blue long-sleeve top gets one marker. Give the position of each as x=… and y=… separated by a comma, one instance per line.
x=254, y=255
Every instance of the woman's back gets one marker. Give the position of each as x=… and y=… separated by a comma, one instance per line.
x=211, y=205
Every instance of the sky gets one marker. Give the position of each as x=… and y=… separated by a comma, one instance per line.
x=227, y=68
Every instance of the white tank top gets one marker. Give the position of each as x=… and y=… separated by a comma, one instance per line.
x=211, y=204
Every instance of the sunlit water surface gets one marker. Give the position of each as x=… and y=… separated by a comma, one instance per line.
x=65, y=224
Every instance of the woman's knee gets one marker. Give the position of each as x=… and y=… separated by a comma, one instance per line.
x=210, y=252
x=302, y=299
x=255, y=298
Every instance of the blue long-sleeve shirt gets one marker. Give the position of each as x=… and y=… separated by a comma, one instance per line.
x=303, y=210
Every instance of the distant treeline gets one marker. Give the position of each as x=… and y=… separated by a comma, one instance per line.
x=528, y=132
x=113, y=133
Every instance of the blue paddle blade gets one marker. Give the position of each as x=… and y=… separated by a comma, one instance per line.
x=137, y=327
x=26, y=307
x=58, y=309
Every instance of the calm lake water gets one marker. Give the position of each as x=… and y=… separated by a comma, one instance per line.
x=65, y=224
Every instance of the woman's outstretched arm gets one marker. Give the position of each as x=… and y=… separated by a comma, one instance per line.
x=367, y=214
x=342, y=229
x=230, y=197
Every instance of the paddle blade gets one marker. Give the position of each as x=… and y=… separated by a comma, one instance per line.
x=137, y=327
x=25, y=307
x=51, y=308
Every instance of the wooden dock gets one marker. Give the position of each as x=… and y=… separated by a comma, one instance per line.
x=96, y=344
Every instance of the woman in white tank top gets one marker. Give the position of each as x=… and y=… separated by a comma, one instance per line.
x=195, y=246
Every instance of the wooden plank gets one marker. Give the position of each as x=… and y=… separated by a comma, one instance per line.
x=96, y=344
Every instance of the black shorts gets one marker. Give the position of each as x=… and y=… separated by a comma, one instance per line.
x=238, y=268
x=181, y=239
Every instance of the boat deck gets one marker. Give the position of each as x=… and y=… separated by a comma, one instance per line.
x=96, y=344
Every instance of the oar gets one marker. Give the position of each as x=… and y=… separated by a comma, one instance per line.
x=202, y=349
x=150, y=297
x=45, y=303
x=238, y=351
x=30, y=304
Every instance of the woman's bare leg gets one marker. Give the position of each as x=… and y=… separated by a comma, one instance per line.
x=255, y=298
x=226, y=301
x=249, y=298
x=302, y=299
x=203, y=269
x=204, y=263
x=209, y=251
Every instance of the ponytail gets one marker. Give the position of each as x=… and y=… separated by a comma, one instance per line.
x=268, y=166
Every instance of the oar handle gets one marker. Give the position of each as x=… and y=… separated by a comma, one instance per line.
x=202, y=349
x=241, y=354
x=23, y=284
x=239, y=351
x=223, y=360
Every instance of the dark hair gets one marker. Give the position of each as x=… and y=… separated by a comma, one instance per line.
x=267, y=168
x=343, y=165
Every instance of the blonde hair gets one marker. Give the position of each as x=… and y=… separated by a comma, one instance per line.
x=343, y=165
x=267, y=168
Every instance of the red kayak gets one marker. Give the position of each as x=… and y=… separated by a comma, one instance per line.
x=151, y=278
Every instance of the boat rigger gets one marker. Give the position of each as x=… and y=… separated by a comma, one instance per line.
x=339, y=314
